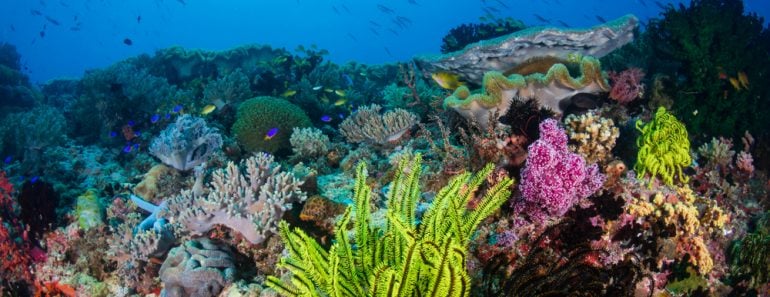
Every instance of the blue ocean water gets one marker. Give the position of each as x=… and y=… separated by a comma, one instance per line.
x=59, y=38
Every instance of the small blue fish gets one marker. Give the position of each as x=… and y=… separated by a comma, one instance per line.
x=155, y=118
x=131, y=123
x=137, y=133
x=342, y=116
x=127, y=148
x=271, y=133
x=168, y=116
x=326, y=119
x=34, y=179
x=136, y=146
x=113, y=134
x=177, y=108
x=8, y=160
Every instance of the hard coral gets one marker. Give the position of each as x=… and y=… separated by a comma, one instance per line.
x=186, y=143
x=258, y=116
x=554, y=179
x=368, y=125
x=199, y=268
x=592, y=136
x=309, y=142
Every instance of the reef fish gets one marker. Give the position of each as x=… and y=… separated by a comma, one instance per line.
x=271, y=133
x=177, y=108
x=326, y=119
x=155, y=118
x=208, y=109
x=446, y=80
x=128, y=41
x=736, y=84
x=743, y=79
x=340, y=102
x=288, y=93
x=339, y=92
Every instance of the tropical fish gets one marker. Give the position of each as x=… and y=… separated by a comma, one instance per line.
x=326, y=119
x=447, y=80
x=34, y=179
x=177, y=108
x=35, y=12
x=385, y=9
x=374, y=23
x=340, y=101
x=316, y=88
x=127, y=148
x=600, y=19
x=374, y=31
x=128, y=41
x=413, y=2
x=271, y=133
x=328, y=90
x=208, y=109
x=8, y=160
x=289, y=93
x=113, y=134
x=52, y=21
x=347, y=78
x=743, y=79
x=542, y=19
x=340, y=93
x=155, y=118
x=695, y=112
x=564, y=24
x=388, y=51
x=736, y=84
x=352, y=37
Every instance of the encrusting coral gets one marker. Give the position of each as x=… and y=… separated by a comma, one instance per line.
x=250, y=204
x=592, y=136
x=368, y=125
x=551, y=90
x=186, y=143
x=402, y=259
x=664, y=149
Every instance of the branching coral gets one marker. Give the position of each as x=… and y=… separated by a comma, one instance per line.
x=402, y=259
x=554, y=179
x=186, y=143
x=309, y=142
x=592, y=136
x=664, y=149
x=250, y=204
x=368, y=125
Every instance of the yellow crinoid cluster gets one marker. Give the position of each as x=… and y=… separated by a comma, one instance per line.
x=664, y=149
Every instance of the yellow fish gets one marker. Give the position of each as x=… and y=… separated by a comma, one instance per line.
x=340, y=101
x=743, y=79
x=328, y=90
x=340, y=93
x=208, y=109
x=735, y=83
x=446, y=80
x=288, y=93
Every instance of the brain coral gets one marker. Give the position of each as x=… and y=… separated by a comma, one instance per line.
x=258, y=116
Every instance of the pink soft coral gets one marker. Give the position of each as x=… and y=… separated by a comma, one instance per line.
x=554, y=179
x=626, y=85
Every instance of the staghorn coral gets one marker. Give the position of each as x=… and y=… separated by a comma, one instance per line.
x=626, y=85
x=369, y=126
x=250, y=204
x=198, y=268
x=554, y=179
x=186, y=143
x=309, y=142
x=592, y=136
x=551, y=90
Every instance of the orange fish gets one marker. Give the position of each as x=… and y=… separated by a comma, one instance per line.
x=736, y=84
x=743, y=79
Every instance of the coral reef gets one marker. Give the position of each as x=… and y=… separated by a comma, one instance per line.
x=265, y=124
x=458, y=37
x=250, y=204
x=198, y=268
x=369, y=126
x=89, y=210
x=592, y=136
x=508, y=52
x=186, y=143
x=551, y=90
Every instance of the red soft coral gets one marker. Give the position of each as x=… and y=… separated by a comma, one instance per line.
x=14, y=245
x=626, y=85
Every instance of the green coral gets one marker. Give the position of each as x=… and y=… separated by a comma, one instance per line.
x=89, y=211
x=751, y=255
x=403, y=258
x=664, y=148
x=258, y=115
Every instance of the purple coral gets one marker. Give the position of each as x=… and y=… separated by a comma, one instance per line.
x=186, y=143
x=554, y=178
x=626, y=85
